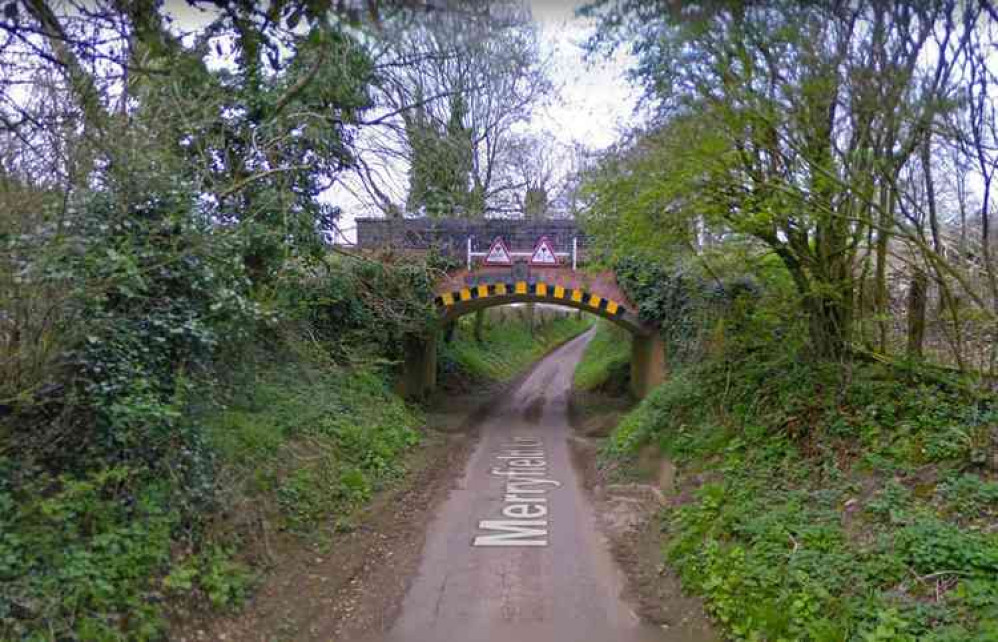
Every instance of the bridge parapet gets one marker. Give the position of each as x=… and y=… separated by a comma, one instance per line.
x=451, y=236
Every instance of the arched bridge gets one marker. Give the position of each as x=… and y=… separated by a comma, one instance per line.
x=503, y=263
x=485, y=286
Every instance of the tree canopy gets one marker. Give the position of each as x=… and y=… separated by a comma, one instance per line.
x=811, y=128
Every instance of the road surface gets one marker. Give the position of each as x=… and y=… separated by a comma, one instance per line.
x=514, y=553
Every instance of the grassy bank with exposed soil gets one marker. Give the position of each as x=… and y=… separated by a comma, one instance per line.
x=330, y=471
x=628, y=495
x=823, y=502
x=606, y=361
x=601, y=389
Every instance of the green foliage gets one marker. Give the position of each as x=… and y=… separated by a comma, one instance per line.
x=222, y=579
x=606, y=361
x=143, y=268
x=818, y=516
x=317, y=436
x=648, y=197
x=830, y=505
x=968, y=497
x=733, y=85
x=149, y=320
x=262, y=142
x=344, y=299
x=80, y=556
x=643, y=424
x=111, y=467
x=675, y=300
x=739, y=305
x=121, y=462
x=508, y=346
x=442, y=163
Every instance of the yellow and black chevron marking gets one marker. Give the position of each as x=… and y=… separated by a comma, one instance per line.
x=555, y=293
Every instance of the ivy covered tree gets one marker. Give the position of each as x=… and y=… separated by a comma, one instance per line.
x=159, y=218
x=441, y=164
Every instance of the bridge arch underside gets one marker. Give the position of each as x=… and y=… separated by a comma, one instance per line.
x=457, y=303
x=648, y=366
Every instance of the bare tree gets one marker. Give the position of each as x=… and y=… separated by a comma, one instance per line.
x=539, y=164
x=480, y=70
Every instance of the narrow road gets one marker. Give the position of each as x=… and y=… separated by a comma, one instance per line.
x=514, y=553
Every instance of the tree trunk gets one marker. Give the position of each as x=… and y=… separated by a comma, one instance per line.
x=480, y=326
x=828, y=305
x=880, y=293
x=916, y=314
x=828, y=326
x=863, y=299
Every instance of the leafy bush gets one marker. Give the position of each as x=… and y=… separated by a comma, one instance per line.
x=113, y=469
x=361, y=307
x=145, y=267
x=700, y=314
x=81, y=559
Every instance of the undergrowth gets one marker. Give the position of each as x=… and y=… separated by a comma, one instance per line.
x=508, y=345
x=187, y=405
x=828, y=502
x=316, y=437
x=606, y=360
x=298, y=442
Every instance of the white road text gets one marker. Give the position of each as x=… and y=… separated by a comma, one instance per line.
x=524, y=466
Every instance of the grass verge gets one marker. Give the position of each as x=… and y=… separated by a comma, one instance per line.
x=316, y=438
x=508, y=345
x=605, y=363
x=816, y=503
x=303, y=444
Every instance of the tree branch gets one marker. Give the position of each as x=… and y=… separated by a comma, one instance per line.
x=246, y=182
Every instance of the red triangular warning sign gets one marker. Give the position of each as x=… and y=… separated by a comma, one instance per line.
x=543, y=253
x=498, y=253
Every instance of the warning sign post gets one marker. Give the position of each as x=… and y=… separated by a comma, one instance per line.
x=498, y=253
x=543, y=253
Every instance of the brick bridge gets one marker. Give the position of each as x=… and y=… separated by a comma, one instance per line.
x=481, y=283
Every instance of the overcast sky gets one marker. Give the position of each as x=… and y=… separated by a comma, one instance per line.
x=595, y=99
x=592, y=105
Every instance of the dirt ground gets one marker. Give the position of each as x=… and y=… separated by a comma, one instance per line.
x=629, y=518
x=346, y=586
x=340, y=584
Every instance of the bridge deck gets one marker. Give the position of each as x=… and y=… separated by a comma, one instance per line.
x=480, y=286
x=450, y=236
